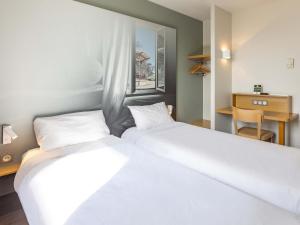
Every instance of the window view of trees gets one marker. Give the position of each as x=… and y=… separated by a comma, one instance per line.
x=145, y=71
x=145, y=57
x=149, y=59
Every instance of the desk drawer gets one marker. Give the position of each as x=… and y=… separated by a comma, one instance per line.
x=274, y=103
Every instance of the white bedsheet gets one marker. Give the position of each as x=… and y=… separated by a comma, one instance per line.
x=268, y=171
x=110, y=182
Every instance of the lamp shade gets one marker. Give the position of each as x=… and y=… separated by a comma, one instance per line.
x=226, y=54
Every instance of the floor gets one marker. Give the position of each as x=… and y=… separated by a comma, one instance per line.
x=11, y=212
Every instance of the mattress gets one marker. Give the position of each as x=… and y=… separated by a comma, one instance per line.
x=268, y=171
x=111, y=182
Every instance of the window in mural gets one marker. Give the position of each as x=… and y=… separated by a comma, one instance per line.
x=149, y=63
x=145, y=58
x=161, y=43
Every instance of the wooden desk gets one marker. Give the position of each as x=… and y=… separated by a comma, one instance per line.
x=280, y=117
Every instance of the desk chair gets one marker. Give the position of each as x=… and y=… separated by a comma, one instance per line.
x=251, y=116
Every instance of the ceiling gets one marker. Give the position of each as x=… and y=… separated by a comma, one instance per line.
x=200, y=9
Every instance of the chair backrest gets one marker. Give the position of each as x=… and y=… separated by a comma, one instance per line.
x=248, y=116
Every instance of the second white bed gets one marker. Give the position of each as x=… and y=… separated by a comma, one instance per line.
x=268, y=171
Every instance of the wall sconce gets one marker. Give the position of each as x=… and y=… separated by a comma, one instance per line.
x=226, y=54
x=8, y=135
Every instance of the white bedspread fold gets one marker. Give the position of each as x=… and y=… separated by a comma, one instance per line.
x=268, y=171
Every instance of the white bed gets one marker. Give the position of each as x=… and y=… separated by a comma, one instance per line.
x=268, y=171
x=111, y=182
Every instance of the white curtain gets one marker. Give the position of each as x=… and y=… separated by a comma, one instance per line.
x=116, y=60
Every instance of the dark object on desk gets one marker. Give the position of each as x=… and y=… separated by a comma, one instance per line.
x=258, y=89
x=264, y=93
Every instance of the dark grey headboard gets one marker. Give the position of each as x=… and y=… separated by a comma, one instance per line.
x=125, y=120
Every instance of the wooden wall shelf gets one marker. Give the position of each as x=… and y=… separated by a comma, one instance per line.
x=199, y=58
x=200, y=67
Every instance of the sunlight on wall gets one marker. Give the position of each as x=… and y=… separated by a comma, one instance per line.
x=254, y=25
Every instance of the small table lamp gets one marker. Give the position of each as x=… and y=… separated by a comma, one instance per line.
x=8, y=135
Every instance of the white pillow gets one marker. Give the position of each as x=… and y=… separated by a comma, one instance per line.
x=150, y=116
x=68, y=129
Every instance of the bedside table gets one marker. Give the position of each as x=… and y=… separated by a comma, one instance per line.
x=8, y=170
x=11, y=211
x=7, y=176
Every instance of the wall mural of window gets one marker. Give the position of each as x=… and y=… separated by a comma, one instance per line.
x=150, y=61
x=138, y=67
x=86, y=60
x=150, y=58
x=145, y=59
x=122, y=60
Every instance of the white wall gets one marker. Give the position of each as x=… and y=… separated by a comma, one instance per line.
x=264, y=37
x=48, y=63
x=221, y=71
x=206, y=78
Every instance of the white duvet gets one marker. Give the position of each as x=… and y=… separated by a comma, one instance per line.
x=110, y=182
x=267, y=171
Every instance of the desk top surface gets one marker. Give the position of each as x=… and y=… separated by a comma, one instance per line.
x=274, y=116
x=263, y=96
